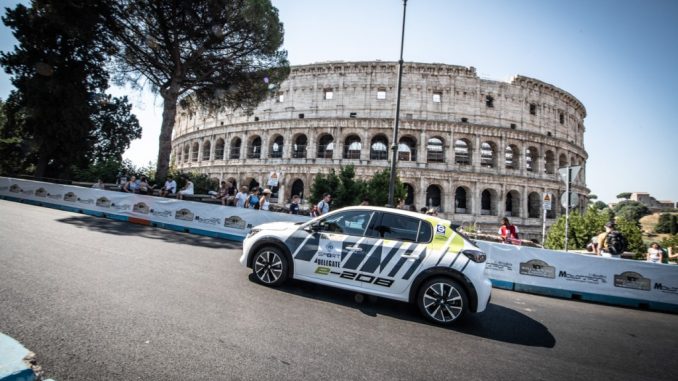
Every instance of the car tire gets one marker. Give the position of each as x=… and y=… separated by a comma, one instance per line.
x=269, y=266
x=442, y=301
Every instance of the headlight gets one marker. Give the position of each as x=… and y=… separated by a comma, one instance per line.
x=253, y=232
x=476, y=256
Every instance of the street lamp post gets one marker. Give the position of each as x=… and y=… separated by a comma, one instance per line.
x=394, y=146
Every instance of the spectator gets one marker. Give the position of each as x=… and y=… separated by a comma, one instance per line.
x=432, y=212
x=508, y=232
x=169, y=188
x=144, y=187
x=264, y=203
x=131, y=185
x=294, y=205
x=366, y=202
x=222, y=193
x=186, y=190
x=423, y=210
x=99, y=185
x=324, y=204
x=413, y=208
x=654, y=253
x=611, y=243
x=253, y=200
x=230, y=193
x=241, y=198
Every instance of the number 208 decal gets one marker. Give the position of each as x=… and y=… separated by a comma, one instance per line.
x=359, y=277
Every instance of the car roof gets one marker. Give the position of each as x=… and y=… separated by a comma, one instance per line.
x=396, y=211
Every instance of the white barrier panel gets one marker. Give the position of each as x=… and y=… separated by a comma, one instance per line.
x=216, y=220
x=589, y=277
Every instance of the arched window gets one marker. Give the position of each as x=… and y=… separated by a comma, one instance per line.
x=234, y=153
x=254, y=149
x=434, y=197
x=352, y=147
x=219, y=149
x=178, y=155
x=325, y=147
x=531, y=159
x=233, y=182
x=511, y=157
x=549, y=162
x=435, y=150
x=206, y=150
x=562, y=161
x=194, y=154
x=462, y=152
x=187, y=156
x=462, y=201
x=407, y=149
x=299, y=148
x=298, y=188
x=512, y=206
x=554, y=202
x=276, y=147
x=533, y=205
x=487, y=155
x=409, y=198
x=379, y=148
x=488, y=202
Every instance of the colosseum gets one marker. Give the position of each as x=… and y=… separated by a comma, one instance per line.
x=475, y=149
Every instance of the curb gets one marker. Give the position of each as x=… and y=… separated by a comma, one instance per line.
x=16, y=362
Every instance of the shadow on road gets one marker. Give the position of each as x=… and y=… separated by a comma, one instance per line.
x=120, y=228
x=495, y=323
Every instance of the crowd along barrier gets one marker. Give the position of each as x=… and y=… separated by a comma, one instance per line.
x=581, y=276
x=200, y=218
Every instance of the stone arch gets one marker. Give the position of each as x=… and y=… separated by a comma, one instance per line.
x=488, y=154
x=554, y=204
x=435, y=150
x=434, y=197
x=532, y=159
x=352, y=147
x=512, y=157
x=409, y=195
x=178, y=153
x=462, y=200
x=379, y=147
x=533, y=205
x=297, y=188
x=234, y=150
x=275, y=150
x=512, y=204
x=549, y=162
x=325, y=146
x=407, y=149
x=299, y=146
x=206, y=145
x=488, y=202
x=462, y=152
x=254, y=147
x=562, y=161
x=194, y=151
x=251, y=182
x=219, y=149
x=233, y=182
x=187, y=153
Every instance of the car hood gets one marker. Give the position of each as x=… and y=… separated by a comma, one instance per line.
x=278, y=226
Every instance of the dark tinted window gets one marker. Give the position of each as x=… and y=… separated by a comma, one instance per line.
x=403, y=228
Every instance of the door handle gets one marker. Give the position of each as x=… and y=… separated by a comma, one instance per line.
x=354, y=248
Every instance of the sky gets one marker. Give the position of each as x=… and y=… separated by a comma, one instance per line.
x=618, y=57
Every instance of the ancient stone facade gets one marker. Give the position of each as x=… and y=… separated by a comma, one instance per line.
x=476, y=149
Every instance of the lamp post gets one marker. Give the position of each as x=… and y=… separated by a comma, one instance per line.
x=394, y=146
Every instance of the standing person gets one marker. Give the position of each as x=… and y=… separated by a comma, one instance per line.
x=186, y=190
x=324, y=204
x=131, y=185
x=230, y=193
x=611, y=243
x=508, y=232
x=654, y=253
x=222, y=192
x=253, y=200
x=264, y=203
x=294, y=205
x=169, y=188
x=241, y=198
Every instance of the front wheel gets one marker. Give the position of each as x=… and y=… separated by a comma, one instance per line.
x=442, y=301
x=270, y=266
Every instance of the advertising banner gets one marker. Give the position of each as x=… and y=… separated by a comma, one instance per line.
x=589, y=276
x=210, y=219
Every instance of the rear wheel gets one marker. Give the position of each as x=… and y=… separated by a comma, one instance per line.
x=269, y=266
x=442, y=301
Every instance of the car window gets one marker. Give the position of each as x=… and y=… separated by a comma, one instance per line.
x=425, y=231
x=403, y=228
x=350, y=223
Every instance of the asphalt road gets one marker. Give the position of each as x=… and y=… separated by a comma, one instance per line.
x=98, y=299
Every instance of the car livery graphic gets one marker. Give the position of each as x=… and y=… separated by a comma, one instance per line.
x=384, y=252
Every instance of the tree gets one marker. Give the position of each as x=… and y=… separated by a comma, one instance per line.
x=666, y=224
x=377, y=188
x=60, y=116
x=216, y=53
x=631, y=210
x=599, y=205
x=624, y=195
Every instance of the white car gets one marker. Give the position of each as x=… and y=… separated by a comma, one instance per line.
x=384, y=252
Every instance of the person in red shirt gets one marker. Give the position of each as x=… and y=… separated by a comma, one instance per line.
x=508, y=232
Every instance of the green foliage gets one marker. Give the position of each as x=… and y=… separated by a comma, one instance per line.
x=631, y=210
x=672, y=242
x=202, y=183
x=624, y=195
x=631, y=230
x=599, y=205
x=377, y=188
x=667, y=224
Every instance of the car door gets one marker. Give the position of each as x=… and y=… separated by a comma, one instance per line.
x=400, y=254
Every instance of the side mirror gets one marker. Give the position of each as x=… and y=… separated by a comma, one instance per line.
x=313, y=228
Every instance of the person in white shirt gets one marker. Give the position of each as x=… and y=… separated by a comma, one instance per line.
x=241, y=197
x=654, y=253
x=99, y=185
x=186, y=190
x=169, y=188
